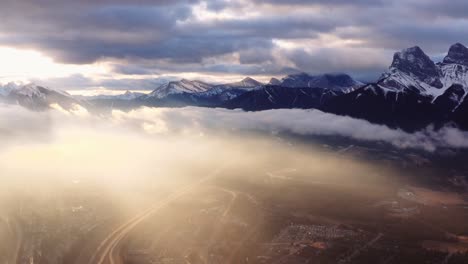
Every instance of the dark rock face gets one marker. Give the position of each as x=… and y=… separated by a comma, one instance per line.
x=336, y=82
x=450, y=99
x=277, y=97
x=457, y=54
x=407, y=110
x=460, y=114
x=415, y=62
x=338, y=79
x=296, y=80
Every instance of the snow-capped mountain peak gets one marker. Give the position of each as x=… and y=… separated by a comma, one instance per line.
x=414, y=56
x=416, y=64
x=249, y=82
x=179, y=87
x=413, y=69
x=231, y=90
x=29, y=90
x=34, y=96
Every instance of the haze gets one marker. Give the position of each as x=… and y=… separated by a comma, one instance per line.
x=70, y=176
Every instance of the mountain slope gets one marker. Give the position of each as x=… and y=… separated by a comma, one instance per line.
x=35, y=97
x=412, y=68
x=276, y=97
x=184, y=93
x=339, y=82
x=179, y=87
x=414, y=93
x=408, y=109
x=224, y=92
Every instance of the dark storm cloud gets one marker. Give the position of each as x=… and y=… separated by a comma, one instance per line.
x=85, y=31
x=130, y=69
x=170, y=34
x=278, y=26
x=440, y=8
x=365, y=65
x=324, y=2
x=124, y=31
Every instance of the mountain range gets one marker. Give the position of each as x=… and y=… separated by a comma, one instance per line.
x=413, y=93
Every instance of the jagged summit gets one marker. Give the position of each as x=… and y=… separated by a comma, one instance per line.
x=414, y=92
x=247, y=82
x=411, y=59
x=412, y=55
x=178, y=87
x=333, y=81
x=414, y=62
x=458, y=54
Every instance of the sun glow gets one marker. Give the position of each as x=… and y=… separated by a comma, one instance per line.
x=23, y=65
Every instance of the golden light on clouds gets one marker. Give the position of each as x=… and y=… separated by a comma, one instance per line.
x=22, y=65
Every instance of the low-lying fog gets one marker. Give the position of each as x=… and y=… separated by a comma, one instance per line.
x=121, y=162
x=155, y=146
x=119, y=149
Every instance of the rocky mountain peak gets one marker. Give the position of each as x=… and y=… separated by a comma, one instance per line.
x=412, y=59
x=249, y=82
x=332, y=81
x=458, y=54
x=414, y=62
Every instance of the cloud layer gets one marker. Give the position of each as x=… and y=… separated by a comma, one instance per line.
x=195, y=120
x=18, y=123
x=258, y=37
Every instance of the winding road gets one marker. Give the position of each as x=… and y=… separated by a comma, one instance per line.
x=108, y=251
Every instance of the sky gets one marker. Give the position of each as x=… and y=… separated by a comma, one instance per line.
x=139, y=44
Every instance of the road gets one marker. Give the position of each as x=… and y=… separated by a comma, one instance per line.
x=219, y=226
x=19, y=240
x=108, y=251
x=358, y=251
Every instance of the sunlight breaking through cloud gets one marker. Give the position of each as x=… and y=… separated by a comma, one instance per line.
x=194, y=121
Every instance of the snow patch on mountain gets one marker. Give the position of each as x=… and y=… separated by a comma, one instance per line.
x=28, y=90
x=413, y=69
x=179, y=87
x=247, y=83
x=232, y=90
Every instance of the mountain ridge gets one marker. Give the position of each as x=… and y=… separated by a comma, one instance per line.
x=413, y=93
